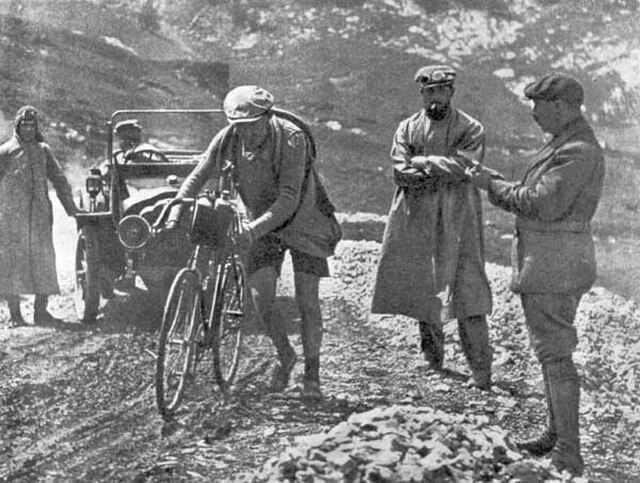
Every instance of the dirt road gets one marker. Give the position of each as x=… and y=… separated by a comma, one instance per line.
x=76, y=401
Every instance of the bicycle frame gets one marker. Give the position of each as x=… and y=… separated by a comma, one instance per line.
x=213, y=320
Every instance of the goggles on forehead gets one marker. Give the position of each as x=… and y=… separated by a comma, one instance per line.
x=30, y=115
x=437, y=77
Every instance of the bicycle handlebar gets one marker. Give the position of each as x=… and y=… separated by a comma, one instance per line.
x=157, y=226
x=167, y=208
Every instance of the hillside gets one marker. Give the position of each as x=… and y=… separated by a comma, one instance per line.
x=78, y=62
x=347, y=67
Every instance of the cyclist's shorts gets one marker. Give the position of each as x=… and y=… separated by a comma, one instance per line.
x=269, y=251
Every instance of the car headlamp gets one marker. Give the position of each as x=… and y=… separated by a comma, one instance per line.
x=93, y=182
x=134, y=232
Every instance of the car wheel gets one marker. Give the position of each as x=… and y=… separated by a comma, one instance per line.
x=87, y=293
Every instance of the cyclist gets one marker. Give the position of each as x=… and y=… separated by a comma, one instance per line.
x=269, y=156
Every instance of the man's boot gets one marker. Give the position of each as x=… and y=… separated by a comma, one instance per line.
x=282, y=371
x=40, y=313
x=564, y=389
x=16, y=320
x=311, y=333
x=286, y=354
x=474, y=339
x=432, y=344
x=543, y=443
x=311, y=382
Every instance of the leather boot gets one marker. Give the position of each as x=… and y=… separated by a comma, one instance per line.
x=474, y=339
x=282, y=372
x=311, y=382
x=564, y=389
x=40, y=313
x=432, y=344
x=543, y=443
x=311, y=333
x=286, y=355
x=16, y=320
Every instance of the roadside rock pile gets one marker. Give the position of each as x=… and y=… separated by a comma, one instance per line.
x=405, y=444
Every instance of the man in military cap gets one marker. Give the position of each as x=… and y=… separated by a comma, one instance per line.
x=132, y=149
x=432, y=260
x=268, y=156
x=553, y=253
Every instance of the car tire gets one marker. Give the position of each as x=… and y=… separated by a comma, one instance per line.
x=88, y=275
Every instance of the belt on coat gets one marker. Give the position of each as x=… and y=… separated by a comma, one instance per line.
x=553, y=226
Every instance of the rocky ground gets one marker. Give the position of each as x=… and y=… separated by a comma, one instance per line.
x=78, y=404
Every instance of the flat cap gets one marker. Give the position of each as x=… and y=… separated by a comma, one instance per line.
x=128, y=125
x=554, y=87
x=433, y=75
x=247, y=104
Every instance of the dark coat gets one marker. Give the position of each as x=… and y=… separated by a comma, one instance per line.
x=553, y=249
x=27, y=258
x=432, y=250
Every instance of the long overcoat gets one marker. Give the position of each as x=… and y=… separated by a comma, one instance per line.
x=432, y=256
x=27, y=258
x=553, y=250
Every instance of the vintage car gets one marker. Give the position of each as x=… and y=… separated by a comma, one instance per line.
x=124, y=196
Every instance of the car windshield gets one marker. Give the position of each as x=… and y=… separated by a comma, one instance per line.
x=151, y=145
x=172, y=132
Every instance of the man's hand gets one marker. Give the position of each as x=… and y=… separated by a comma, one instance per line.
x=420, y=162
x=77, y=211
x=244, y=238
x=481, y=177
x=170, y=226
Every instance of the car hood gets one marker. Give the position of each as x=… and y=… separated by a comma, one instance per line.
x=144, y=198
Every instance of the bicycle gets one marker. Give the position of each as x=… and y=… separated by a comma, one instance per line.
x=204, y=309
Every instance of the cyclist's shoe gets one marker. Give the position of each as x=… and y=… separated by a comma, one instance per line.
x=311, y=390
x=281, y=374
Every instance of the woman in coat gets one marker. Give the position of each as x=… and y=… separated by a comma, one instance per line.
x=27, y=258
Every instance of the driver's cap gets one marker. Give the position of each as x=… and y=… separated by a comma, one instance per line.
x=128, y=125
x=247, y=104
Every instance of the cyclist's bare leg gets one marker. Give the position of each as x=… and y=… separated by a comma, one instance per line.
x=262, y=284
x=311, y=330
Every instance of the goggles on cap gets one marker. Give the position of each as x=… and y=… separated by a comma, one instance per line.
x=30, y=115
x=437, y=76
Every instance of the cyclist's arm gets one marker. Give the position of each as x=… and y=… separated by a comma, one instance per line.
x=292, y=170
x=205, y=170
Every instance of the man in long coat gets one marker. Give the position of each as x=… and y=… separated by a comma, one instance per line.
x=553, y=256
x=432, y=260
x=27, y=258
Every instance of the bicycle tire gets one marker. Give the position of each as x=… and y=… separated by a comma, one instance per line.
x=226, y=320
x=177, y=341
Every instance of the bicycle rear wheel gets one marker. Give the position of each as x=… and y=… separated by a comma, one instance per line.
x=176, y=345
x=226, y=320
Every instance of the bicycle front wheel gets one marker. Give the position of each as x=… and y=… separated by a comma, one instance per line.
x=226, y=320
x=176, y=346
